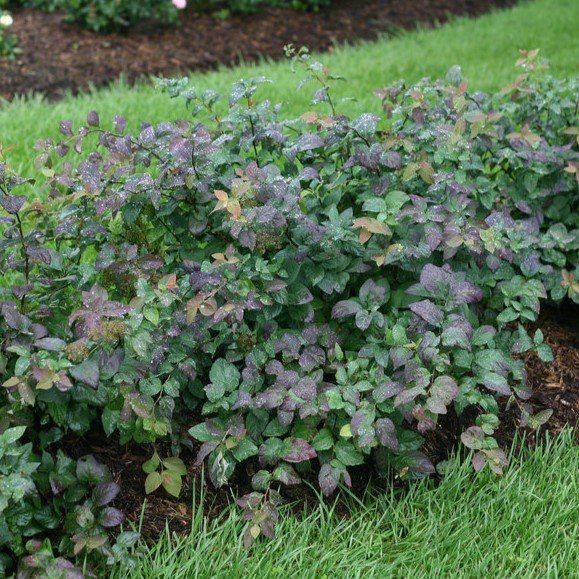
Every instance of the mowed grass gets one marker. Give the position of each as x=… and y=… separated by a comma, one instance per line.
x=486, y=48
x=524, y=524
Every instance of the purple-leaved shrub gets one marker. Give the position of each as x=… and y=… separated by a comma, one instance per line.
x=311, y=294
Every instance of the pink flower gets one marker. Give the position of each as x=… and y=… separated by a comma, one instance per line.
x=180, y=4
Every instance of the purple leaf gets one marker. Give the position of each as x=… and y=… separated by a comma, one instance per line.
x=473, y=437
x=433, y=236
x=308, y=142
x=455, y=336
x=14, y=319
x=111, y=517
x=496, y=382
x=436, y=405
x=92, y=119
x=88, y=372
x=407, y=396
x=345, y=309
x=206, y=449
x=328, y=478
x=425, y=423
x=243, y=400
x=445, y=389
x=385, y=390
x=300, y=451
x=12, y=203
x=419, y=463
x=306, y=388
x=370, y=290
x=105, y=493
x=120, y=124
x=428, y=312
x=271, y=397
x=66, y=128
x=50, y=344
x=111, y=363
x=465, y=292
x=89, y=470
x=433, y=278
x=363, y=320
x=478, y=461
x=312, y=357
x=399, y=355
x=386, y=433
x=286, y=474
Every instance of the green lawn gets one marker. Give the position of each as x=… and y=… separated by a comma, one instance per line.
x=486, y=48
x=524, y=524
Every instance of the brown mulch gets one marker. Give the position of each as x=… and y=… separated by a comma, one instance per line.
x=555, y=385
x=58, y=57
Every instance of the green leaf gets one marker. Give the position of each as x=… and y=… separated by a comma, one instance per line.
x=175, y=464
x=214, y=392
x=374, y=205
x=334, y=397
x=224, y=375
x=395, y=200
x=483, y=336
x=245, y=448
x=495, y=382
x=172, y=388
x=492, y=360
x=12, y=434
x=152, y=314
x=152, y=464
x=150, y=386
x=507, y=316
x=323, y=440
x=153, y=482
x=141, y=343
x=346, y=431
x=21, y=366
x=110, y=420
x=347, y=454
x=172, y=483
x=545, y=353
x=199, y=432
x=537, y=420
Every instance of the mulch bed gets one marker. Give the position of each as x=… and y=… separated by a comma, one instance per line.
x=555, y=385
x=58, y=57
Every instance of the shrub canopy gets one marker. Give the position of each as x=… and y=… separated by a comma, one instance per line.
x=309, y=294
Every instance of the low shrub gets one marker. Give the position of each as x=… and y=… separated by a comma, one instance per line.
x=310, y=294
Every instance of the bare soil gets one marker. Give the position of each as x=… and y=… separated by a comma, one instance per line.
x=57, y=57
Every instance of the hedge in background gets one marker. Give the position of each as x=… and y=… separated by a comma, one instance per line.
x=110, y=15
x=310, y=294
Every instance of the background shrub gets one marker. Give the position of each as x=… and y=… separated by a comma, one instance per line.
x=102, y=15
x=107, y=15
x=309, y=294
x=8, y=41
